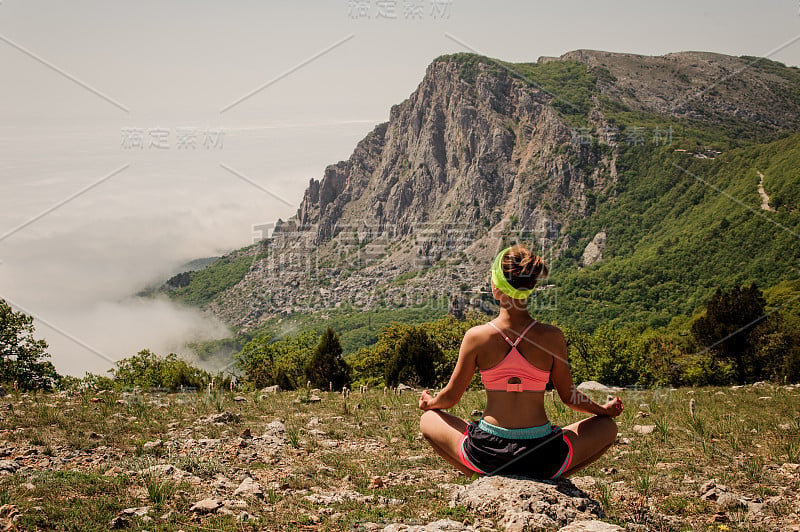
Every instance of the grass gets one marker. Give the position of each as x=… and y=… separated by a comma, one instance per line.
x=329, y=448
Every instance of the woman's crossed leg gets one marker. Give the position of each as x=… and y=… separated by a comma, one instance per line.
x=589, y=438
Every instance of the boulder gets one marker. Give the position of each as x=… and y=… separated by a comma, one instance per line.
x=594, y=249
x=523, y=504
x=594, y=386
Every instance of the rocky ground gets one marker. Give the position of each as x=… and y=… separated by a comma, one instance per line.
x=722, y=459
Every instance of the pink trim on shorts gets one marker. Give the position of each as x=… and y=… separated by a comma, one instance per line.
x=465, y=460
x=568, y=460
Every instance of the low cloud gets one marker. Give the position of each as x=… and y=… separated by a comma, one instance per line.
x=78, y=280
x=92, y=338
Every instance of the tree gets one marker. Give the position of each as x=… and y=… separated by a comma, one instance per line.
x=267, y=361
x=327, y=365
x=21, y=354
x=414, y=360
x=368, y=364
x=726, y=328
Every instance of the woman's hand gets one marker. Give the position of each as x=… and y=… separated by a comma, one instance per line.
x=613, y=408
x=424, y=400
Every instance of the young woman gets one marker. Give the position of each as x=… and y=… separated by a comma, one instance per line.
x=516, y=356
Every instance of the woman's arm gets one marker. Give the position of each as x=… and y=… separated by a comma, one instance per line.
x=569, y=394
x=459, y=380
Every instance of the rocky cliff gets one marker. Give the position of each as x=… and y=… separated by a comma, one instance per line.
x=486, y=153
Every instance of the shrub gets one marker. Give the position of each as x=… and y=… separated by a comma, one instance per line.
x=148, y=370
x=267, y=361
x=327, y=367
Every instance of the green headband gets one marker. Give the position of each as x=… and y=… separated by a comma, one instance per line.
x=502, y=284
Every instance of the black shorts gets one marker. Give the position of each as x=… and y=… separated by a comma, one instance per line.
x=542, y=452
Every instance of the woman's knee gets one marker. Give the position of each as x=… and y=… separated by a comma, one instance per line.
x=426, y=422
x=610, y=429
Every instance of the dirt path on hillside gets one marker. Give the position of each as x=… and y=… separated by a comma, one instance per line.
x=763, y=193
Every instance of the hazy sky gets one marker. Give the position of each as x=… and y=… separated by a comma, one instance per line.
x=135, y=136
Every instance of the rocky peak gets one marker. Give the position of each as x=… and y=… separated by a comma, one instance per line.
x=702, y=85
x=455, y=152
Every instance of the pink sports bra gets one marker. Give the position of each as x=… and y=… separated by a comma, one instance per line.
x=532, y=379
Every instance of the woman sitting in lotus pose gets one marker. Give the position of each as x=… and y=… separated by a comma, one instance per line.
x=516, y=356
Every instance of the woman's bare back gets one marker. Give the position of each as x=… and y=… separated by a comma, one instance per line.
x=516, y=409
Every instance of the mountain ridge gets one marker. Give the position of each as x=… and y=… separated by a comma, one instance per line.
x=485, y=153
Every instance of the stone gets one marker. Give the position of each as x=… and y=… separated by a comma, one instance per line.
x=271, y=389
x=522, y=504
x=249, y=488
x=442, y=525
x=240, y=399
x=235, y=504
x=644, y=429
x=275, y=428
x=9, y=466
x=150, y=445
x=206, y=506
x=590, y=526
x=728, y=502
x=594, y=249
x=221, y=482
x=136, y=512
x=707, y=485
x=314, y=399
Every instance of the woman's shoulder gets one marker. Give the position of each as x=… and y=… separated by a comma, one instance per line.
x=480, y=335
x=483, y=330
x=548, y=330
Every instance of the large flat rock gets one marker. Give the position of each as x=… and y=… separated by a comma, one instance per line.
x=517, y=504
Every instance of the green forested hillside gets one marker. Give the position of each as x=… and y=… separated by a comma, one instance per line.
x=678, y=227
